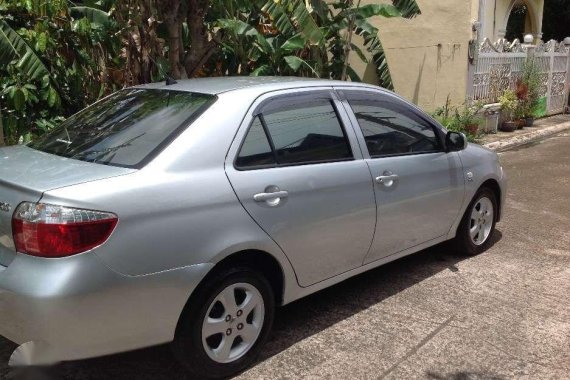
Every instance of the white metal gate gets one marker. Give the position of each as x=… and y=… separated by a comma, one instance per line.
x=497, y=67
x=554, y=60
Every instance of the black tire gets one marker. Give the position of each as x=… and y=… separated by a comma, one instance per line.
x=188, y=346
x=463, y=241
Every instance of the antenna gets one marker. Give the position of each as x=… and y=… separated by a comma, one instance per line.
x=167, y=77
x=170, y=80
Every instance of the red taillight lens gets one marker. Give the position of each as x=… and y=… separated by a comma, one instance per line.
x=56, y=231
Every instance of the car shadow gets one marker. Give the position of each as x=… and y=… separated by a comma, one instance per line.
x=293, y=323
x=463, y=375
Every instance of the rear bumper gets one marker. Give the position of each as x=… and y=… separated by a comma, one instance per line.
x=77, y=307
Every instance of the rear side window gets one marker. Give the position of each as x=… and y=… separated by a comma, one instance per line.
x=125, y=129
x=391, y=127
x=256, y=150
x=298, y=130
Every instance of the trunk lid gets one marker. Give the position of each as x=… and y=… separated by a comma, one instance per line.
x=25, y=174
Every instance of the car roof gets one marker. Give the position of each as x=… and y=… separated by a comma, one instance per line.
x=218, y=85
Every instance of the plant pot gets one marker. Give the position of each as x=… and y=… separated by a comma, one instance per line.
x=521, y=123
x=529, y=121
x=508, y=126
x=472, y=129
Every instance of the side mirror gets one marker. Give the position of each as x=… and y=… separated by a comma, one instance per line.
x=455, y=141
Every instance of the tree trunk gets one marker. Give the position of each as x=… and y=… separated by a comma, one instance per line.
x=1, y=128
x=174, y=49
x=201, y=46
x=172, y=20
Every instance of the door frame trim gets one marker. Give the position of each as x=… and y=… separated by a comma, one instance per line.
x=250, y=115
x=438, y=129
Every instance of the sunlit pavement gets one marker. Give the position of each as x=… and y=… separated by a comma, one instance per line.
x=435, y=315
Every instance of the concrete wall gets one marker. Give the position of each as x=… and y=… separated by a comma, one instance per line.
x=427, y=55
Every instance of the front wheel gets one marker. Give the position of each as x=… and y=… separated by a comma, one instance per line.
x=478, y=224
x=223, y=328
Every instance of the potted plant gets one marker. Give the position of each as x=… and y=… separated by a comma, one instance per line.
x=531, y=79
x=509, y=104
x=522, y=104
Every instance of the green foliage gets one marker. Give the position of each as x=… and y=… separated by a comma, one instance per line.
x=531, y=79
x=51, y=64
x=14, y=49
x=296, y=37
x=58, y=56
x=509, y=104
x=462, y=119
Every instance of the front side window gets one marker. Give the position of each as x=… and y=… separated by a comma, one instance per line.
x=126, y=128
x=298, y=131
x=391, y=127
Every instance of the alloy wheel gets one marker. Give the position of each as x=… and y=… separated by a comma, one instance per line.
x=233, y=322
x=481, y=221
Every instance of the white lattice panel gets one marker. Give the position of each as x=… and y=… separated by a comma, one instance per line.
x=498, y=66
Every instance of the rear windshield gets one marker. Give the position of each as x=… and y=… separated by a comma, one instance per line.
x=126, y=129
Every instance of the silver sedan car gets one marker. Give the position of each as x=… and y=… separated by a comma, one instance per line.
x=187, y=212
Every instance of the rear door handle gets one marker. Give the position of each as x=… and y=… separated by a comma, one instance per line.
x=272, y=196
x=387, y=180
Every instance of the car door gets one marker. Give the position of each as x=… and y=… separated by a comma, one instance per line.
x=419, y=187
x=297, y=169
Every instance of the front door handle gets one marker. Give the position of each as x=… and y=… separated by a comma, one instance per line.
x=387, y=179
x=263, y=197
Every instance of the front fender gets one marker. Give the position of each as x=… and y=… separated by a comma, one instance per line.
x=479, y=166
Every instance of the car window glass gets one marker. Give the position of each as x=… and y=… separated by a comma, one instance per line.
x=124, y=128
x=307, y=131
x=392, y=128
x=255, y=150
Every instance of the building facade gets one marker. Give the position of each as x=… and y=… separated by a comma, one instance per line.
x=429, y=55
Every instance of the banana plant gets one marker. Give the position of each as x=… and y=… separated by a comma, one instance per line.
x=16, y=55
x=48, y=70
x=336, y=27
x=14, y=49
x=261, y=55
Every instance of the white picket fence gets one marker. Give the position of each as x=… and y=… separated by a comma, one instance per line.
x=496, y=68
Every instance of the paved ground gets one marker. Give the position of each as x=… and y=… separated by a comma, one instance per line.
x=502, y=141
x=435, y=315
x=539, y=124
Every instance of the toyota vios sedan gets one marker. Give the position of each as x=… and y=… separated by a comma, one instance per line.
x=186, y=213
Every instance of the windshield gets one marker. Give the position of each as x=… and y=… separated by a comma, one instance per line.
x=126, y=129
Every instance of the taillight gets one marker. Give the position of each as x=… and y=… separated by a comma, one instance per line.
x=55, y=231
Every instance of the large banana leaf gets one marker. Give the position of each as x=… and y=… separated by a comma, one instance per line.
x=408, y=8
x=282, y=12
x=14, y=48
x=240, y=28
x=278, y=15
x=94, y=15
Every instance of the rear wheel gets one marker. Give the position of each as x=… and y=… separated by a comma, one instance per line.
x=223, y=328
x=478, y=224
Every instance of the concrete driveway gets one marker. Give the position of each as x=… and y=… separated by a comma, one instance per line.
x=436, y=315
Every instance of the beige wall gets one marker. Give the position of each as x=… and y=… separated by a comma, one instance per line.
x=427, y=55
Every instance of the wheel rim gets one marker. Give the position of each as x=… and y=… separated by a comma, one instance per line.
x=233, y=322
x=481, y=221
